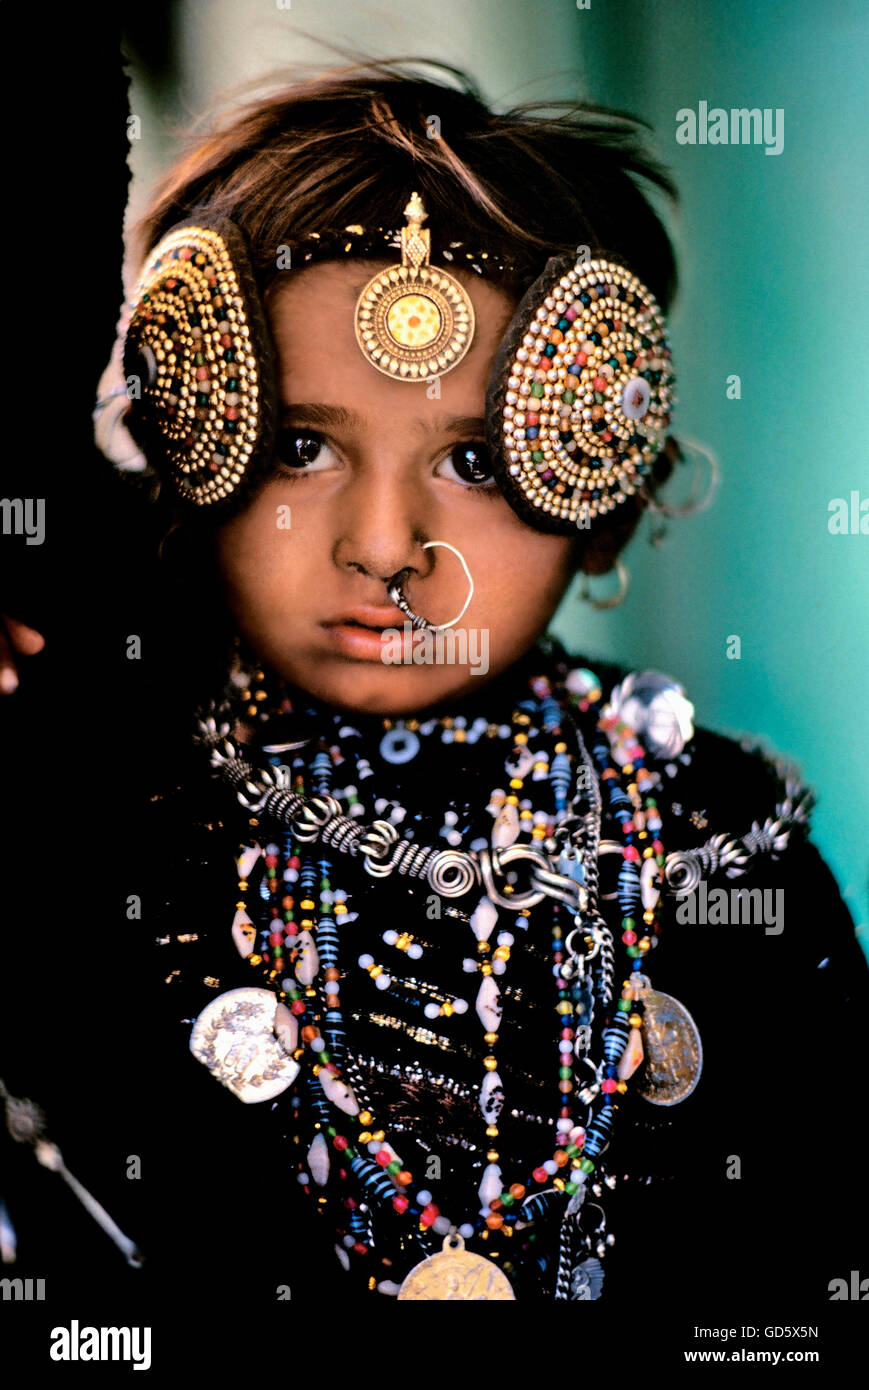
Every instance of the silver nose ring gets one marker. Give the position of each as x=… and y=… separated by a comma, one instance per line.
x=394, y=585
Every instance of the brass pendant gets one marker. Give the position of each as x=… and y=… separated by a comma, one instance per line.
x=674, y=1052
x=414, y=321
x=234, y=1037
x=454, y=1273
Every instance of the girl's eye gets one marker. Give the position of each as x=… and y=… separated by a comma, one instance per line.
x=303, y=450
x=469, y=463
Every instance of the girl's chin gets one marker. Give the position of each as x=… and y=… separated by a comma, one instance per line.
x=370, y=688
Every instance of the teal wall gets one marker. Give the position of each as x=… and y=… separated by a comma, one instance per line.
x=775, y=288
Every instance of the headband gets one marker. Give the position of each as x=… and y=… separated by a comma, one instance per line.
x=579, y=395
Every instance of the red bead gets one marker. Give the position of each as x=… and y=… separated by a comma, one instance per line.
x=657, y=847
x=271, y=861
x=297, y=1006
x=383, y=1157
x=540, y=1175
x=339, y=1142
x=360, y=1248
x=631, y=853
x=609, y=1086
x=400, y=1203
x=294, y=862
x=629, y=938
x=276, y=938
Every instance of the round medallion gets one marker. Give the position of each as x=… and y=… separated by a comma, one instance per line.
x=455, y=1274
x=674, y=1052
x=234, y=1037
x=414, y=322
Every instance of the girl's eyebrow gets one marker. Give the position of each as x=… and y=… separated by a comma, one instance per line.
x=342, y=417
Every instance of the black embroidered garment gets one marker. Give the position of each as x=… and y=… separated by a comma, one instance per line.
x=699, y=1166
x=746, y=1183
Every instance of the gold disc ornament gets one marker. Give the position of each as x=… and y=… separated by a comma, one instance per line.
x=455, y=1274
x=414, y=321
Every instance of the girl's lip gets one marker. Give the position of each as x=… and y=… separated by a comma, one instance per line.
x=363, y=643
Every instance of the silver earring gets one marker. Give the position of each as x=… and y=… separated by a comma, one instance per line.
x=624, y=584
x=394, y=585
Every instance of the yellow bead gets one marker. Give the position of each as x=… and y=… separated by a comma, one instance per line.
x=486, y=968
x=492, y=1156
x=516, y=783
x=491, y=1131
x=622, y=1087
x=379, y=1136
x=512, y=800
x=255, y=959
x=490, y=1039
x=307, y=905
x=365, y=1136
x=521, y=738
x=561, y=747
x=635, y=1020
x=490, y=1063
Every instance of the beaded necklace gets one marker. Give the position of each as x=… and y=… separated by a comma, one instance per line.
x=300, y=960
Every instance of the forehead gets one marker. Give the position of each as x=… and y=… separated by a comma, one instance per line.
x=311, y=314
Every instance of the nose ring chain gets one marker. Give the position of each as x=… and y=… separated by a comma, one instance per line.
x=397, y=580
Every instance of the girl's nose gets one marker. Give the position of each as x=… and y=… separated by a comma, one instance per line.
x=381, y=525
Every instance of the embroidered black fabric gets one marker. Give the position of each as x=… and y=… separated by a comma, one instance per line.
x=750, y=1186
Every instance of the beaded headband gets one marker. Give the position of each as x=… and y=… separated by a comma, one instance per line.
x=579, y=395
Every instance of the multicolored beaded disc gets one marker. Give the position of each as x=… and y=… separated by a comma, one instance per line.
x=198, y=345
x=581, y=394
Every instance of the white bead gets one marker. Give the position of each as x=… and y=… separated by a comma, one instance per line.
x=414, y=952
x=318, y=1160
x=490, y=1187
x=390, y=937
x=505, y=938
x=551, y=1167
x=483, y=918
x=441, y=1224
x=466, y=1230
x=373, y=1146
x=338, y=1092
x=308, y=962
x=498, y=967
x=432, y=1011
x=423, y=1197
x=488, y=1005
x=366, y=961
x=460, y=1006
x=383, y=981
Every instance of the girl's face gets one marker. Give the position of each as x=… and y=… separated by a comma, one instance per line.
x=368, y=470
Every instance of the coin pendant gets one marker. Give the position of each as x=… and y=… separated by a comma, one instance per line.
x=674, y=1052
x=234, y=1038
x=454, y=1273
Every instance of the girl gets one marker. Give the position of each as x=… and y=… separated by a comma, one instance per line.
x=447, y=1010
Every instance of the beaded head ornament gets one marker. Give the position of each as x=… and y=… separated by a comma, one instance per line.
x=578, y=400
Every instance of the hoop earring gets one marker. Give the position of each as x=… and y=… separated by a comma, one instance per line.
x=694, y=504
x=394, y=586
x=600, y=603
